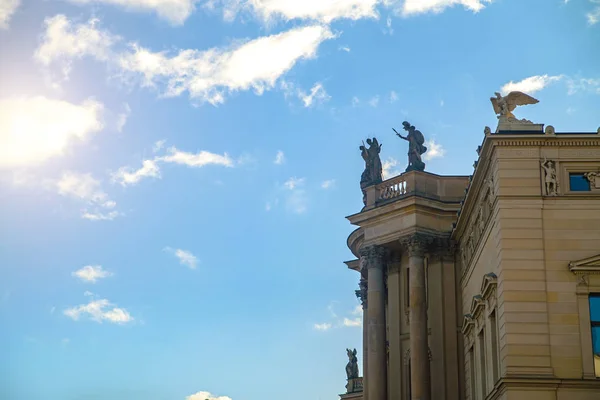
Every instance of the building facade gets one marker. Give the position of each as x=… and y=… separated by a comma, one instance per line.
x=485, y=286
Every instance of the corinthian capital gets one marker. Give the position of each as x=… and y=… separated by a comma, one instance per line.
x=361, y=293
x=417, y=244
x=372, y=257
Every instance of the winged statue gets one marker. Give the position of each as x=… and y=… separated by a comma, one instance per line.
x=504, y=105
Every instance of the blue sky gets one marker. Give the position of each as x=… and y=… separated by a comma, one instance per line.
x=174, y=174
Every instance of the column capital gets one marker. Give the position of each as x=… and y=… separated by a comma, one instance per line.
x=417, y=243
x=373, y=256
x=361, y=293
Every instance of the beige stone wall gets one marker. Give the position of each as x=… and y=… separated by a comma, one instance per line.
x=543, y=329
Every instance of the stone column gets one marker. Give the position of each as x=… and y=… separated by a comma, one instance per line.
x=419, y=348
x=361, y=294
x=376, y=358
x=395, y=315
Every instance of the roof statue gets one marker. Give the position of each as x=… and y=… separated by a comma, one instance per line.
x=415, y=147
x=504, y=106
x=373, y=172
x=352, y=366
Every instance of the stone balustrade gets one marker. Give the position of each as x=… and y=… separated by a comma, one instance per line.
x=418, y=183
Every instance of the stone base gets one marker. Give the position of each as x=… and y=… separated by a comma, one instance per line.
x=352, y=396
x=517, y=125
x=354, y=385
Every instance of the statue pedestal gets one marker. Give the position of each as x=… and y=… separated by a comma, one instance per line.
x=354, y=385
x=516, y=126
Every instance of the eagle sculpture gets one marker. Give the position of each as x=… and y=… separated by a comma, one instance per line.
x=504, y=105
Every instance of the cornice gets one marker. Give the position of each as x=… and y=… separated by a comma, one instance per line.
x=587, y=266
x=486, y=150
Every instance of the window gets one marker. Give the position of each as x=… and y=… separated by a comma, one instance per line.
x=578, y=182
x=472, y=388
x=494, y=334
x=595, y=322
x=482, y=369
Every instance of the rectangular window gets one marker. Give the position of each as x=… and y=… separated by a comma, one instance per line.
x=482, y=369
x=495, y=345
x=595, y=322
x=472, y=389
x=578, y=182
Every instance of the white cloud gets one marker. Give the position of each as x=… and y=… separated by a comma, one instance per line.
x=210, y=75
x=575, y=85
x=35, y=129
x=413, y=7
x=279, y=158
x=185, y=257
x=91, y=273
x=85, y=187
x=199, y=159
x=317, y=95
x=434, y=150
x=206, y=396
x=345, y=48
x=594, y=16
x=62, y=42
x=7, y=9
x=355, y=101
x=389, y=168
x=158, y=145
x=388, y=25
x=127, y=176
x=293, y=182
x=393, y=96
x=122, y=117
x=174, y=11
x=328, y=184
x=322, y=327
x=319, y=10
x=374, y=101
x=352, y=322
x=530, y=85
x=297, y=201
x=99, y=310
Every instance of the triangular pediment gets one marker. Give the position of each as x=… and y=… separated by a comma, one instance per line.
x=590, y=265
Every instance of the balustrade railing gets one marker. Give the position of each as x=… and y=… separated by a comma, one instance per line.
x=392, y=188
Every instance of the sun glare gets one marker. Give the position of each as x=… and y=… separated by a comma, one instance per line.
x=35, y=129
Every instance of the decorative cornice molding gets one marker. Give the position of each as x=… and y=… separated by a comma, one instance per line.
x=587, y=266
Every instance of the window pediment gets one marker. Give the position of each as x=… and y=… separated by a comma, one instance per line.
x=590, y=265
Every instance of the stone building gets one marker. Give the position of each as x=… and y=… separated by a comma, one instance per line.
x=484, y=286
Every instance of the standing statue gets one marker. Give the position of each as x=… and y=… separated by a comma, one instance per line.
x=549, y=177
x=503, y=106
x=415, y=147
x=352, y=366
x=373, y=172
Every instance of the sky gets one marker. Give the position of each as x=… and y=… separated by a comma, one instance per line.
x=174, y=174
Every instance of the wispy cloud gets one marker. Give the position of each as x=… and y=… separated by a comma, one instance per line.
x=355, y=101
x=91, y=273
x=199, y=159
x=388, y=26
x=185, y=257
x=322, y=327
x=316, y=10
x=293, y=182
x=34, y=129
x=7, y=10
x=173, y=11
x=389, y=167
x=594, y=16
x=122, y=117
x=328, y=184
x=128, y=176
x=207, y=76
x=575, y=85
x=393, y=96
x=531, y=84
x=414, y=7
x=434, y=150
x=206, y=396
x=344, y=48
x=317, y=95
x=85, y=187
x=279, y=158
x=374, y=101
x=99, y=310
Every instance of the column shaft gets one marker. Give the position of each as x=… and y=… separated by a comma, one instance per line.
x=376, y=358
x=419, y=348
